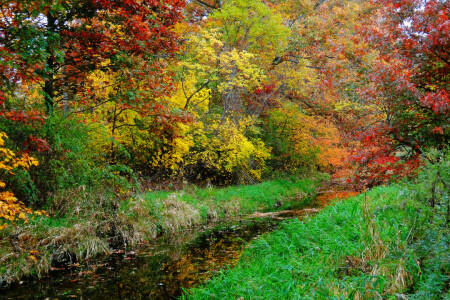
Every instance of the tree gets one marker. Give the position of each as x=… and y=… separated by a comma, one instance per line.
x=409, y=81
x=58, y=43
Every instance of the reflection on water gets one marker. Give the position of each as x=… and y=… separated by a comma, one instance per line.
x=157, y=272
x=163, y=269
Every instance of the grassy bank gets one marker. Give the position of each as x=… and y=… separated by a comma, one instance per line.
x=86, y=223
x=384, y=244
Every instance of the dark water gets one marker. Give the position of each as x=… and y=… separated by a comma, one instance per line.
x=163, y=269
x=158, y=271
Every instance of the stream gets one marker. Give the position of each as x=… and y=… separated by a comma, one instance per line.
x=155, y=271
x=159, y=270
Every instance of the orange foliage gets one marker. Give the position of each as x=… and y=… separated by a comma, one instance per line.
x=304, y=140
x=327, y=197
x=10, y=208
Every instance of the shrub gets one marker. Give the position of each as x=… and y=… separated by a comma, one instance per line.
x=68, y=155
x=10, y=208
x=223, y=154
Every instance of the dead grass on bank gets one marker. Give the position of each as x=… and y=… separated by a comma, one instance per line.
x=85, y=223
x=376, y=261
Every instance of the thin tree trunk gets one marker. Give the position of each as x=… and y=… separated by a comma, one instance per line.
x=49, y=89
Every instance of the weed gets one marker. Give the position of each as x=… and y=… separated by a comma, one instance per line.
x=86, y=222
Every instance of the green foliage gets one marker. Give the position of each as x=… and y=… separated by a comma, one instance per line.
x=431, y=189
x=292, y=192
x=434, y=180
x=219, y=203
x=89, y=221
x=64, y=148
x=19, y=134
x=291, y=151
x=252, y=25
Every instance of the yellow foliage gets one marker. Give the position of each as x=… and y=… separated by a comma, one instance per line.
x=253, y=26
x=210, y=61
x=103, y=82
x=304, y=140
x=238, y=68
x=188, y=93
x=10, y=208
x=222, y=147
x=148, y=147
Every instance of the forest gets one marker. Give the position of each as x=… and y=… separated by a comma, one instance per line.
x=122, y=122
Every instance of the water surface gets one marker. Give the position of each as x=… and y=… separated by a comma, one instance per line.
x=157, y=271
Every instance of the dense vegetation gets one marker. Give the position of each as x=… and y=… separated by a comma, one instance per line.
x=387, y=243
x=103, y=101
x=85, y=223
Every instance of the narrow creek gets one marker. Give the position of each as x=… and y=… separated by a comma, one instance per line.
x=156, y=271
x=160, y=270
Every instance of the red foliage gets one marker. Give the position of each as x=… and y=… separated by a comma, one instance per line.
x=26, y=117
x=36, y=144
x=82, y=36
x=262, y=99
x=58, y=44
x=409, y=84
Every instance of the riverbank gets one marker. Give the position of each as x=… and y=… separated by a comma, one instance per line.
x=387, y=243
x=84, y=224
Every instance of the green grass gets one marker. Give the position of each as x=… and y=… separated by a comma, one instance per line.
x=292, y=192
x=171, y=211
x=86, y=223
x=373, y=246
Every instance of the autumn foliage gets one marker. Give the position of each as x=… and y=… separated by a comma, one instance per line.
x=220, y=91
x=409, y=81
x=10, y=207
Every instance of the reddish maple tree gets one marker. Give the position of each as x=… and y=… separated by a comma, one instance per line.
x=60, y=42
x=409, y=82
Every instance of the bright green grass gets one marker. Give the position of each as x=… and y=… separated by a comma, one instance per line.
x=365, y=247
x=289, y=191
x=221, y=203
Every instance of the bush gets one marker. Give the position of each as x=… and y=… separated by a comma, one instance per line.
x=222, y=154
x=68, y=157
x=151, y=146
x=10, y=207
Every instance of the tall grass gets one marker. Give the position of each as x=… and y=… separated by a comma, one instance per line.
x=367, y=247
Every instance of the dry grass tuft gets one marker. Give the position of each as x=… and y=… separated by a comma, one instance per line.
x=376, y=251
x=178, y=214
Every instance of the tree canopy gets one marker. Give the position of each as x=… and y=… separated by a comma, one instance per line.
x=220, y=91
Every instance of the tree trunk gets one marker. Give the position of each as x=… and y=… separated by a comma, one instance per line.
x=49, y=89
